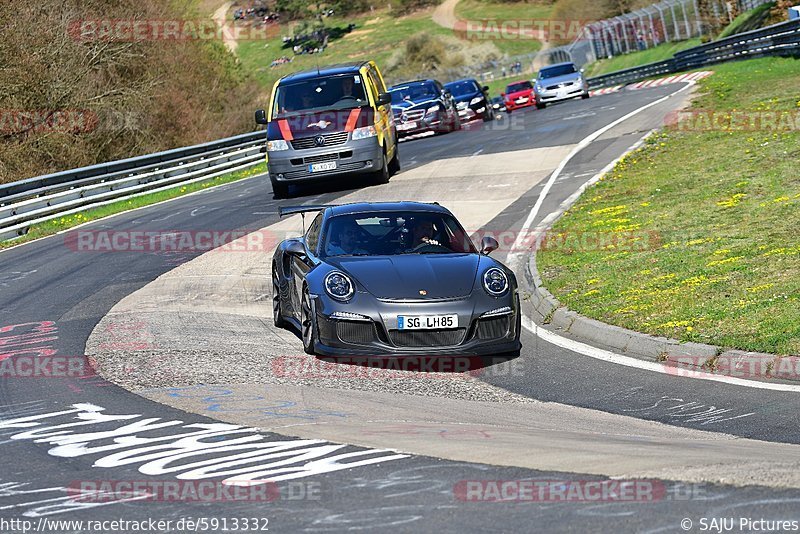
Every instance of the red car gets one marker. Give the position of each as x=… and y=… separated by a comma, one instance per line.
x=519, y=95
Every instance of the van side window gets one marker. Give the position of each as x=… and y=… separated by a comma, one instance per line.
x=374, y=85
x=378, y=82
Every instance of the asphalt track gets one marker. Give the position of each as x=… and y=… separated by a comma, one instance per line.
x=47, y=281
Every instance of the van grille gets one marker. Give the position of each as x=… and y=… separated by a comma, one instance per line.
x=334, y=139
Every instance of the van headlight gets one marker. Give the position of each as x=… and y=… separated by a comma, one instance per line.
x=364, y=133
x=495, y=281
x=339, y=286
x=275, y=146
x=476, y=100
x=433, y=109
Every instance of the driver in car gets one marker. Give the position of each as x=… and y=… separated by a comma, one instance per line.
x=422, y=233
x=347, y=238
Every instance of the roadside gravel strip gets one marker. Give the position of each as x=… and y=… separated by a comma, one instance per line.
x=207, y=345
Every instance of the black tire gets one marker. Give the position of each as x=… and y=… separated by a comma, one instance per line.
x=541, y=105
x=308, y=326
x=279, y=190
x=277, y=314
x=585, y=96
x=394, y=164
x=382, y=176
x=489, y=115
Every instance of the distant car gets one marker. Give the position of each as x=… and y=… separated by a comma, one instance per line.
x=560, y=82
x=472, y=100
x=498, y=104
x=519, y=95
x=396, y=279
x=423, y=106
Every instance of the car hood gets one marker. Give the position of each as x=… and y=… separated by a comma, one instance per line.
x=406, y=105
x=322, y=122
x=517, y=94
x=404, y=276
x=466, y=98
x=560, y=79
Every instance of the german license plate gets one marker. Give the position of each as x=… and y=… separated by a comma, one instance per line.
x=426, y=322
x=326, y=166
x=407, y=125
x=522, y=101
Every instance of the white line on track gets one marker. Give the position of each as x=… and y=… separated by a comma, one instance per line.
x=588, y=350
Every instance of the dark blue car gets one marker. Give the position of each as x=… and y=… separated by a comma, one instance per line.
x=472, y=100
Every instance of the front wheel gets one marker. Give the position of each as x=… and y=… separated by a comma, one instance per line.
x=541, y=105
x=277, y=314
x=382, y=176
x=489, y=115
x=279, y=190
x=308, y=327
x=585, y=96
x=394, y=164
x=456, y=122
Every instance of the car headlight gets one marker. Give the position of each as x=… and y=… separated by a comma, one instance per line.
x=274, y=146
x=433, y=109
x=364, y=133
x=495, y=281
x=476, y=100
x=339, y=286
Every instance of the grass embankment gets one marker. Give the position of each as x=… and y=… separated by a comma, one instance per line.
x=510, y=13
x=91, y=214
x=635, y=59
x=375, y=37
x=716, y=213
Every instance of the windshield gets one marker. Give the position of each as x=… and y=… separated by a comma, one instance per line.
x=413, y=94
x=464, y=88
x=559, y=70
x=519, y=86
x=394, y=233
x=320, y=94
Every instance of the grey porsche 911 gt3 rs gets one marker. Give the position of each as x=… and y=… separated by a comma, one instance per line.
x=396, y=279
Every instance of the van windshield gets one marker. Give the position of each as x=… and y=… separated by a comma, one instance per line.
x=558, y=70
x=319, y=94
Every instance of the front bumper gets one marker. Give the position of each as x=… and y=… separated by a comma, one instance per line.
x=565, y=93
x=427, y=123
x=471, y=112
x=350, y=157
x=519, y=103
x=376, y=333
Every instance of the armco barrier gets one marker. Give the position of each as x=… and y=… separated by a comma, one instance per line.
x=778, y=40
x=36, y=200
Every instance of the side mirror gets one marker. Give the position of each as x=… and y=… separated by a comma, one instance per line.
x=489, y=244
x=384, y=99
x=485, y=88
x=296, y=248
x=446, y=92
x=261, y=116
x=583, y=70
x=503, y=95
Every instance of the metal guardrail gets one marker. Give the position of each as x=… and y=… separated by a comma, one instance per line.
x=43, y=198
x=777, y=40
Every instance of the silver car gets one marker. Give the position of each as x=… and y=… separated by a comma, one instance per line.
x=560, y=82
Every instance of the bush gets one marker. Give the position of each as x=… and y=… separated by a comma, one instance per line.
x=145, y=96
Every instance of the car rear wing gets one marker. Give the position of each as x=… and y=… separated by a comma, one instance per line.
x=291, y=210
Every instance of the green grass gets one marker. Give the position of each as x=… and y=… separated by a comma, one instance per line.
x=634, y=59
x=475, y=10
x=376, y=37
x=90, y=214
x=744, y=19
x=717, y=256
